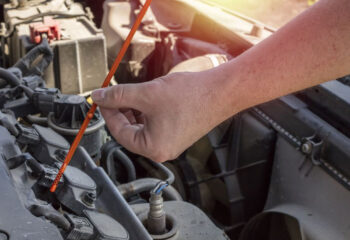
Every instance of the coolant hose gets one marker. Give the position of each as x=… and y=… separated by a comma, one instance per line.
x=146, y=185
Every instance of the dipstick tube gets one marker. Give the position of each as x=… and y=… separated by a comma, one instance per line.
x=106, y=82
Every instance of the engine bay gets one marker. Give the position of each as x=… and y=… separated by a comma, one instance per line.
x=34, y=144
x=228, y=185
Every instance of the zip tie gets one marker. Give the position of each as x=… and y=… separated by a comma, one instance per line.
x=106, y=82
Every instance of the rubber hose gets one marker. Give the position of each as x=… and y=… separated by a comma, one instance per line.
x=50, y=214
x=36, y=167
x=37, y=120
x=3, y=83
x=119, y=156
x=146, y=185
x=111, y=152
x=15, y=162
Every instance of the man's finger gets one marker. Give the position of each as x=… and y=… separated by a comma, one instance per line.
x=119, y=96
x=130, y=116
x=126, y=134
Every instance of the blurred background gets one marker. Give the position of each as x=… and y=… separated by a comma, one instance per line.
x=274, y=13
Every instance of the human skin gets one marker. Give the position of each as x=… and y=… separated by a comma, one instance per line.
x=161, y=118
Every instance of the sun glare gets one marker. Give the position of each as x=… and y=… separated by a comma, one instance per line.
x=271, y=12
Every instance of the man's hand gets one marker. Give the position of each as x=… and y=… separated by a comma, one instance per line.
x=161, y=118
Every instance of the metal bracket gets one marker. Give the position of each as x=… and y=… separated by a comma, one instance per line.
x=311, y=147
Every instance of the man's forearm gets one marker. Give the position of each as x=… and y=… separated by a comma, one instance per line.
x=176, y=110
x=313, y=48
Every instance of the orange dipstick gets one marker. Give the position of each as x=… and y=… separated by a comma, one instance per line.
x=92, y=110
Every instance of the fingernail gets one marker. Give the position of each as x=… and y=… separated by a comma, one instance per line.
x=98, y=95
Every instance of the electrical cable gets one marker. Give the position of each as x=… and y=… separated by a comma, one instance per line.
x=9, y=77
x=161, y=185
x=145, y=185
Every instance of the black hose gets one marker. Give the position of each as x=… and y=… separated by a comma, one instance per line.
x=146, y=185
x=111, y=154
x=36, y=167
x=119, y=156
x=37, y=120
x=9, y=77
x=15, y=162
x=3, y=83
x=50, y=214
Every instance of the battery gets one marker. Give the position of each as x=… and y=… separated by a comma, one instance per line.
x=80, y=59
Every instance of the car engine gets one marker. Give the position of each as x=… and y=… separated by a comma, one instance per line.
x=255, y=176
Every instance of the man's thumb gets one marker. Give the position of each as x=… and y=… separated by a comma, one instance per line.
x=119, y=96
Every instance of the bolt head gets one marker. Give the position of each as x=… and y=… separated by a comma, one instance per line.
x=306, y=148
x=89, y=198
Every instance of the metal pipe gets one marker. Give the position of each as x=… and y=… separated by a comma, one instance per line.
x=170, y=178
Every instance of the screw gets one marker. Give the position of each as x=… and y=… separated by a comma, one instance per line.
x=89, y=198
